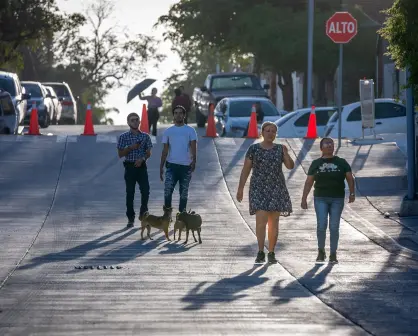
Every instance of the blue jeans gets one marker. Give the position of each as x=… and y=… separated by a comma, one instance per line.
x=177, y=173
x=332, y=207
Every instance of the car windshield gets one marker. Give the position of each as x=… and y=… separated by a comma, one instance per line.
x=243, y=108
x=8, y=85
x=285, y=118
x=60, y=90
x=235, y=82
x=33, y=89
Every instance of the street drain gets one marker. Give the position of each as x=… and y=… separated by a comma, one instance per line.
x=98, y=267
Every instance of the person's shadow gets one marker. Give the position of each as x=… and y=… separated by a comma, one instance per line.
x=78, y=251
x=225, y=290
x=311, y=280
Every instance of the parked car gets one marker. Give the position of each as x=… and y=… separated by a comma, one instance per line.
x=233, y=114
x=9, y=115
x=227, y=84
x=10, y=82
x=390, y=117
x=43, y=101
x=68, y=102
x=57, y=105
x=295, y=124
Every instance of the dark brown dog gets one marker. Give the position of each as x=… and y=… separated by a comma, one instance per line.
x=188, y=221
x=158, y=222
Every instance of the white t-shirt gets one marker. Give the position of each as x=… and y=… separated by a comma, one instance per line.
x=178, y=138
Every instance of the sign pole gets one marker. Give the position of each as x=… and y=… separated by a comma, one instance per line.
x=410, y=123
x=340, y=93
x=310, y=51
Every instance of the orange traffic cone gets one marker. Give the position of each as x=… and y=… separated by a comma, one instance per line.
x=253, y=128
x=311, y=132
x=34, y=124
x=88, y=125
x=144, y=126
x=211, y=129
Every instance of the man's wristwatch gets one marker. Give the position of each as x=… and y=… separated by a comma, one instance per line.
x=352, y=194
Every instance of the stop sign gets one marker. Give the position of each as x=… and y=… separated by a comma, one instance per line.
x=341, y=27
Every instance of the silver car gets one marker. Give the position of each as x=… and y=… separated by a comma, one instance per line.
x=68, y=102
x=232, y=114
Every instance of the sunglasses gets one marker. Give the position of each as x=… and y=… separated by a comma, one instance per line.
x=134, y=120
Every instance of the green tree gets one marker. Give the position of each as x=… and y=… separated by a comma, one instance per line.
x=197, y=65
x=273, y=32
x=25, y=24
x=401, y=31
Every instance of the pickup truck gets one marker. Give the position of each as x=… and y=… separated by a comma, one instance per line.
x=226, y=84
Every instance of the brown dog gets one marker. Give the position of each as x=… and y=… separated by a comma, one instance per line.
x=158, y=222
x=188, y=221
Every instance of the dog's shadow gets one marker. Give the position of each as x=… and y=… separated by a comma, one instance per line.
x=175, y=247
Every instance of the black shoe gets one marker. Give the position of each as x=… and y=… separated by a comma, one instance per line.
x=333, y=258
x=130, y=223
x=321, y=255
x=271, y=257
x=261, y=257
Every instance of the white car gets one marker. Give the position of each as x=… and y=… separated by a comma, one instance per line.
x=295, y=124
x=232, y=114
x=390, y=117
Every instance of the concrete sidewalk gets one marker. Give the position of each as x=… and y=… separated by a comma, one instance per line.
x=374, y=288
x=162, y=288
x=380, y=186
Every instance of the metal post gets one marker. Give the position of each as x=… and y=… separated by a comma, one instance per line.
x=218, y=67
x=340, y=93
x=410, y=133
x=310, y=51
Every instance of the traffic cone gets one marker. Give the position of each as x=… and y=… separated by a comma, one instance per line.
x=144, y=126
x=253, y=128
x=211, y=129
x=34, y=124
x=88, y=125
x=311, y=132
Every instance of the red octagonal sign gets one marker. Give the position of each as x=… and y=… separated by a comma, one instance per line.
x=341, y=27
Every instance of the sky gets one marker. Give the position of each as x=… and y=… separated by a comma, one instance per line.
x=138, y=18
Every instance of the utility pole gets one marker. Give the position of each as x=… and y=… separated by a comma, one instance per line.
x=311, y=7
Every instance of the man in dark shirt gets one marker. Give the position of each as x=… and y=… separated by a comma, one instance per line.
x=183, y=99
x=135, y=146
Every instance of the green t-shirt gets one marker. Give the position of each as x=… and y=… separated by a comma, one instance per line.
x=329, y=175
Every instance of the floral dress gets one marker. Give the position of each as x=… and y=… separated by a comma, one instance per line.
x=268, y=189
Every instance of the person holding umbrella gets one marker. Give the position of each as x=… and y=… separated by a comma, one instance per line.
x=154, y=103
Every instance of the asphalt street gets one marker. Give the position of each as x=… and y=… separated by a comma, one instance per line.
x=70, y=267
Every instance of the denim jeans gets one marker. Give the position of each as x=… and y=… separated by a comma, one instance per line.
x=177, y=173
x=328, y=207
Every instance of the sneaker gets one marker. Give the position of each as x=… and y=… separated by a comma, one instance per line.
x=333, y=258
x=271, y=258
x=321, y=255
x=261, y=257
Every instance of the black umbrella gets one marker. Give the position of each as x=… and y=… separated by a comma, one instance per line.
x=138, y=88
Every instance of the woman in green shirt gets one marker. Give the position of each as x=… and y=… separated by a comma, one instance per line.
x=328, y=172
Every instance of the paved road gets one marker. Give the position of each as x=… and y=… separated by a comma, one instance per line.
x=63, y=206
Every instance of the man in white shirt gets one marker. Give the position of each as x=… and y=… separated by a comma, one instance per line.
x=179, y=158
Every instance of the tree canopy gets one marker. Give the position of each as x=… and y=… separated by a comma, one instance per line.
x=401, y=31
x=274, y=32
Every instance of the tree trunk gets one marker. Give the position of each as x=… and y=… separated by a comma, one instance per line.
x=285, y=83
x=273, y=87
x=321, y=92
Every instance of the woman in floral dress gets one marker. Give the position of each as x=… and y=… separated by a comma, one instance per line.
x=268, y=194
